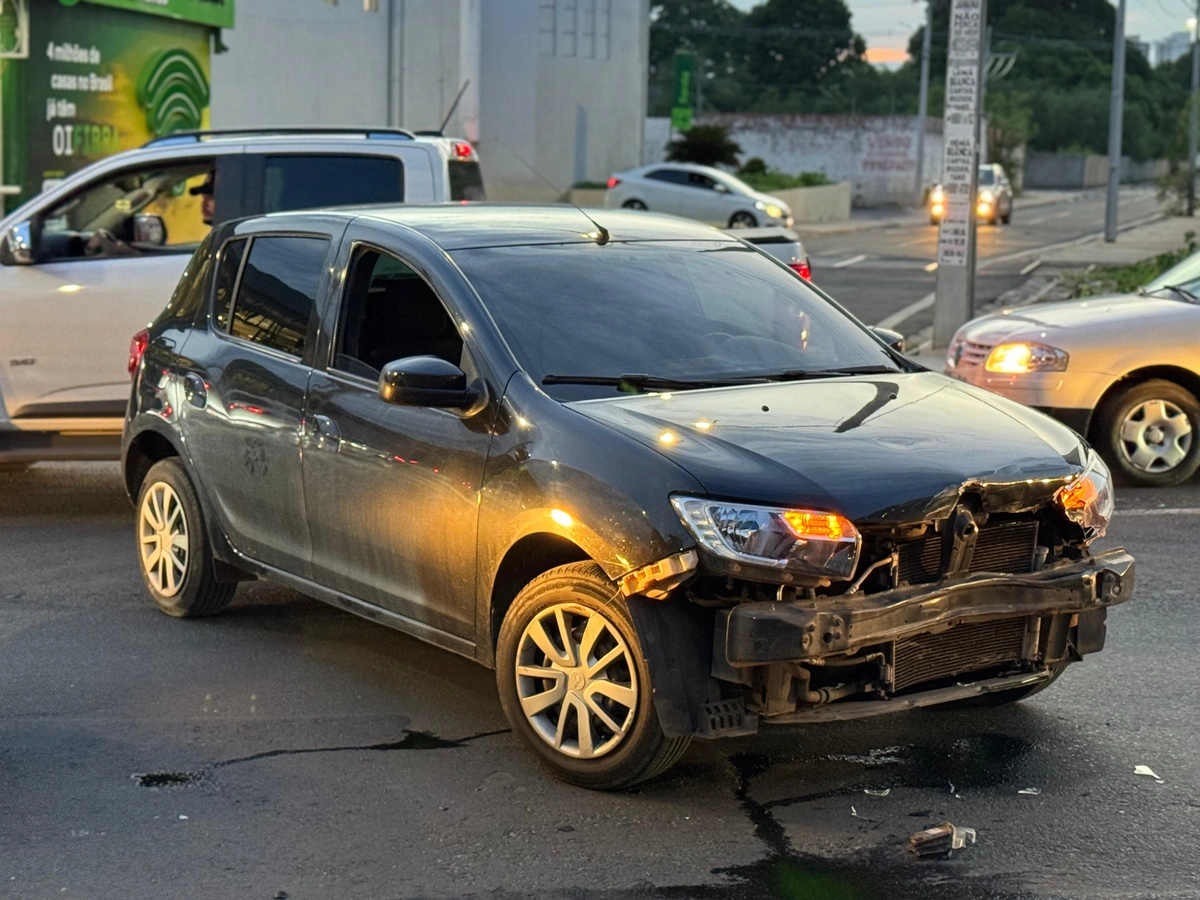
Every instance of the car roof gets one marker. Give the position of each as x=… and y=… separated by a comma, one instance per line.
x=457, y=226
x=683, y=167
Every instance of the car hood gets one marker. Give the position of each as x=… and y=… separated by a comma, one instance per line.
x=878, y=449
x=1117, y=312
x=767, y=198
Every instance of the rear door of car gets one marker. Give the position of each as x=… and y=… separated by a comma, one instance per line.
x=289, y=175
x=245, y=373
x=663, y=188
x=68, y=318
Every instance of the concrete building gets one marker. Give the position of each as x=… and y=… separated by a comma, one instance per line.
x=1171, y=48
x=560, y=84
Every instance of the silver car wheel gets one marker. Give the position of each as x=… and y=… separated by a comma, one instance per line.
x=1155, y=436
x=163, y=537
x=576, y=680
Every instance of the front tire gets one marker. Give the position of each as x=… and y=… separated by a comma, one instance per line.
x=743, y=220
x=633, y=204
x=1148, y=432
x=574, y=683
x=173, y=552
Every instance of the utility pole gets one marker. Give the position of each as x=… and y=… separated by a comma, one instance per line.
x=1115, y=115
x=923, y=101
x=1195, y=112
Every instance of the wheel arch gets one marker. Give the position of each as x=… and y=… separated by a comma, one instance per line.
x=1185, y=378
x=527, y=558
x=146, y=449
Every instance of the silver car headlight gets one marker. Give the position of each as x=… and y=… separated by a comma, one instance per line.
x=1088, y=499
x=1022, y=357
x=775, y=212
x=805, y=541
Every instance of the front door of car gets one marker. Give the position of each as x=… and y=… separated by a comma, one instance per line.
x=106, y=261
x=245, y=376
x=392, y=491
x=703, y=200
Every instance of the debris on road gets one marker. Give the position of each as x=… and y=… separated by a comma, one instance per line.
x=877, y=792
x=941, y=840
x=1148, y=772
x=1031, y=791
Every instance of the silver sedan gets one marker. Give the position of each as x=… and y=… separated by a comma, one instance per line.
x=1122, y=370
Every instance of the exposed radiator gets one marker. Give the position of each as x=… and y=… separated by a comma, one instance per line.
x=962, y=649
x=1005, y=547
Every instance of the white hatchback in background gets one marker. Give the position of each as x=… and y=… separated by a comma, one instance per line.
x=89, y=262
x=696, y=192
x=1122, y=370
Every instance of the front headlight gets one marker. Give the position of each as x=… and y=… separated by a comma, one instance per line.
x=1022, y=357
x=986, y=197
x=775, y=212
x=805, y=541
x=1088, y=500
x=937, y=195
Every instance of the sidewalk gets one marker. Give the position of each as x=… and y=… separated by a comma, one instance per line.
x=898, y=217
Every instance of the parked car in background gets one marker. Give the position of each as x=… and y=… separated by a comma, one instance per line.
x=993, y=200
x=665, y=487
x=696, y=192
x=94, y=258
x=782, y=243
x=1122, y=370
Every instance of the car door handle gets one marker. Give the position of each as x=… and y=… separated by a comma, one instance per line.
x=329, y=436
x=195, y=390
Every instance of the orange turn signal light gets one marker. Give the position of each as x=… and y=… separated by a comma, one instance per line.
x=819, y=525
x=1079, y=494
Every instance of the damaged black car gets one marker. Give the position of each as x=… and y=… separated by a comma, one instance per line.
x=665, y=487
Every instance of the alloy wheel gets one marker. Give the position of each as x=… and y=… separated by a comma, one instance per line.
x=576, y=680
x=163, y=538
x=1155, y=436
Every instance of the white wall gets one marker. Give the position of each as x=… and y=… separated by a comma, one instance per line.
x=565, y=107
x=301, y=62
x=876, y=154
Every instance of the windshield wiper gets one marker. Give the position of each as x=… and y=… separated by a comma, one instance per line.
x=801, y=374
x=1178, y=289
x=633, y=383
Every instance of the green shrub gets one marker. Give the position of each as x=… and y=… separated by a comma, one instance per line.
x=1127, y=279
x=781, y=181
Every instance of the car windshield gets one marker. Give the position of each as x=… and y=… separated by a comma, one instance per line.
x=1183, y=276
x=686, y=313
x=987, y=177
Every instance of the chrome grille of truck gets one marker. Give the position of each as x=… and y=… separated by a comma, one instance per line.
x=961, y=650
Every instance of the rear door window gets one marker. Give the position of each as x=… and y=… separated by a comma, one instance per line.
x=311, y=181
x=278, y=291
x=672, y=176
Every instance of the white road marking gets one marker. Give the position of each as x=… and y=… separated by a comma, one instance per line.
x=932, y=267
x=1038, y=221
x=1033, y=265
x=848, y=261
x=1062, y=215
x=1178, y=511
x=907, y=312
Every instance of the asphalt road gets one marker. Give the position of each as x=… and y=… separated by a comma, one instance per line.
x=875, y=273
x=289, y=749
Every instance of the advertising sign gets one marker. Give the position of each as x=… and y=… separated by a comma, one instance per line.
x=102, y=80
x=685, y=74
x=215, y=13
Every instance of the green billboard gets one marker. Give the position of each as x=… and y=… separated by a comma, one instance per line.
x=100, y=80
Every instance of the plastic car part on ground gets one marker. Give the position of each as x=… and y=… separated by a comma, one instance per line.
x=941, y=840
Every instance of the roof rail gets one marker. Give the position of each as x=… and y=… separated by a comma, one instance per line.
x=428, y=133
x=310, y=130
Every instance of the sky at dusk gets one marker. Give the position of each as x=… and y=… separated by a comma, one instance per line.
x=887, y=24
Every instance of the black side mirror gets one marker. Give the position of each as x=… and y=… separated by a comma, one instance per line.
x=425, y=381
x=893, y=339
x=16, y=245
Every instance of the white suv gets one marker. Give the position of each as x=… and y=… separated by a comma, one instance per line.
x=89, y=262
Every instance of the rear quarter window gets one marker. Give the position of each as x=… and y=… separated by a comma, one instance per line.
x=311, y=181
x=466, y=181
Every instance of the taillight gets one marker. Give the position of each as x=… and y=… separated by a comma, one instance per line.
x=462, y=150
x=802, y=269
x=613, y=182
x=137, y=347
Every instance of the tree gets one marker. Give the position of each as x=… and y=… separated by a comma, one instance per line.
x=706, y=145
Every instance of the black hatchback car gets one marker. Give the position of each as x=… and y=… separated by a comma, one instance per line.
x=663, y=485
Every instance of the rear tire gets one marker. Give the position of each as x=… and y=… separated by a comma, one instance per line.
x=561, y=621
x=1150, y=433
x=173, y=552
x=633, y=204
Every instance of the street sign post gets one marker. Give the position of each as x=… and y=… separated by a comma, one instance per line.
x=955, y=294
x=685, y=85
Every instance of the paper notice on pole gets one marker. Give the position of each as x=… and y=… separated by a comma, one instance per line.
x=960, y=131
